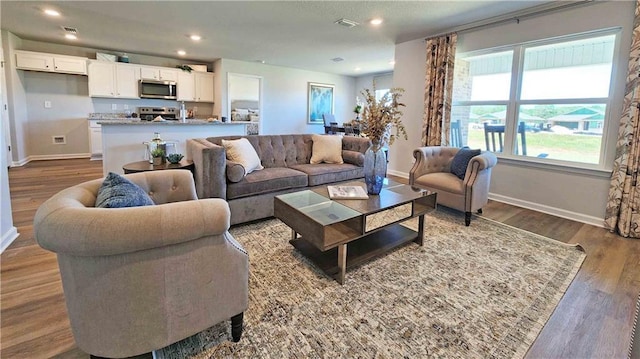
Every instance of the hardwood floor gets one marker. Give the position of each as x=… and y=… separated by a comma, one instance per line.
x=593, y=320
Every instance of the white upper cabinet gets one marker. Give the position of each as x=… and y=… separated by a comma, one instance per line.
x=38, y=61
x=158, y=74
x=204, y=86
x=110, y=79
x=195, y=86
x=186, y=86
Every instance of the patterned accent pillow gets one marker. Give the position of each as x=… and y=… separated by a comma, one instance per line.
x=242, y=152
x=461, y=161
x=327, y=149
x=117, y=192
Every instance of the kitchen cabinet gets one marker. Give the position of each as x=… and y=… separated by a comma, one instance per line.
x=95, y=139
x=158, y=74
x=110, y=79
x=195, y=86
x=38, y=61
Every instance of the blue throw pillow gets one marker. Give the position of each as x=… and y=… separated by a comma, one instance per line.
x=117, y=191
x=461, y=161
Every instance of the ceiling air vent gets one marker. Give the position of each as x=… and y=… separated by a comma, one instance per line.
x=346, y=23
x=337, y=59
x=70, y=30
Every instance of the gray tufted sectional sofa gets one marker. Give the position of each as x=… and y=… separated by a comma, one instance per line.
x=286, y=169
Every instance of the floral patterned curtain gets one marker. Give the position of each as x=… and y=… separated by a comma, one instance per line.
x=623, y=206
x=441, y=52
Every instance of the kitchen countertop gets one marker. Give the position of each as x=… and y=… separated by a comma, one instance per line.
x=164, y=123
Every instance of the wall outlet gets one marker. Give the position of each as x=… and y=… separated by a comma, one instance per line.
x=125, y=107
x=114, y=106
x=47, y=104
x=195, y=110
x=59, y=140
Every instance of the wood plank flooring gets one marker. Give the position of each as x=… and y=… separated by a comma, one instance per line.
x=593, y=320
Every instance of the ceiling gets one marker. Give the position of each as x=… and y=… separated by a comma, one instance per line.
x=299, y=34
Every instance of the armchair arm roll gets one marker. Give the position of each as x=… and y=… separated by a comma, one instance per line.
x=482, y=161
x=210, y=161
x=109, y=231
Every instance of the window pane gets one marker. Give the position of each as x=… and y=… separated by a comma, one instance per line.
x=574, y=69
x=483, y=78
x=471, y=120
x=562, y=132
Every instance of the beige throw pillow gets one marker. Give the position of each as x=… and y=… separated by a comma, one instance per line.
x=327, y=149
x=242, y=152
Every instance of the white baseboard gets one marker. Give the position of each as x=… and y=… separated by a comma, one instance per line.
x=558, y=212
x=8, y=238
x=398, y=173
x=66, y=156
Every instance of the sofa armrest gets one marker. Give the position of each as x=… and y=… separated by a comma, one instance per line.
x=210, y=161
x=110, y=231
x=431, y=159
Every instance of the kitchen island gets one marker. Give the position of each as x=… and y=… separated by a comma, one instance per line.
x=123, y=141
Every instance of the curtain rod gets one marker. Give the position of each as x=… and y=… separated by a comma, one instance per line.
x=507, y=18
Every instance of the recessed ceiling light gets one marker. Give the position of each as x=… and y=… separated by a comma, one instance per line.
x=392, y=62
x=357, y=69
x=260, y=61
x=51, y=12
x=195, y=37
x=376, y=21
x=182, y=52
x=71, y=36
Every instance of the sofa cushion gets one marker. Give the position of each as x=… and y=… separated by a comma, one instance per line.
x=327, y=149
x=265, y=181
x=117, y=192
x=461, y=160
x=242, y=152
x=353, y=157
x=324, y=173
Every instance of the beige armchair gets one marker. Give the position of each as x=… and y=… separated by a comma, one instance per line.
x=138, y=279
x=432, y=171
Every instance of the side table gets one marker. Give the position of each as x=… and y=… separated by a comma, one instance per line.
x=143, y=166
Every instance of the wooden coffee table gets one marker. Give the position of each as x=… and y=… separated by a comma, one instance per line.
x=369, y=226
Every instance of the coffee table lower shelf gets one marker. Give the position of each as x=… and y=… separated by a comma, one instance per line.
x=359, y=251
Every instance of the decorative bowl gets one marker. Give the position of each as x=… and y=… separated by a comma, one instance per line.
x=175, y=157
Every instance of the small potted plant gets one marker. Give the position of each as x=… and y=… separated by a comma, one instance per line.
x=158, y=156
x=174, y=157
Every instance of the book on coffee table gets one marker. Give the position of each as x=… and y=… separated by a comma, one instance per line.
x=347, y=192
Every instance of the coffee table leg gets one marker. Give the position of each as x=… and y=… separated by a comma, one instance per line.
x=342, y=263
x=420, y=238
x=294, y=235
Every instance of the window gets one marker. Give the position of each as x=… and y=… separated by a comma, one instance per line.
x=546, y=99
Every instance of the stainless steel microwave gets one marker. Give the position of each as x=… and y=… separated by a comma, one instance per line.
x=158, y=89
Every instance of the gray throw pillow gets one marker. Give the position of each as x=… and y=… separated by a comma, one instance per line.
x=461, y=161
x=117, y=191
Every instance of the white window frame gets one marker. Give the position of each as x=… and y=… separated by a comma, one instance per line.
x=514, y=102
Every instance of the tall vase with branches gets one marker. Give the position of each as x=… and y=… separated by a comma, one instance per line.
x=379, y=119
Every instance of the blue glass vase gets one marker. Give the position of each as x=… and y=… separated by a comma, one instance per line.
x=375, y=168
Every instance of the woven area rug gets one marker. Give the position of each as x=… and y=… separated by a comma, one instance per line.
x=483, y=291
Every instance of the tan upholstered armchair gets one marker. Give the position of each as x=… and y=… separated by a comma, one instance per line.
x=140, y=278
x=432, y=171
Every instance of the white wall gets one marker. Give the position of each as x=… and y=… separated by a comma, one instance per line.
x=7, y=231
x=284, y=95
x=579, y=195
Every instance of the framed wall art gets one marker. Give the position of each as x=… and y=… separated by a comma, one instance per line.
x=320, y=97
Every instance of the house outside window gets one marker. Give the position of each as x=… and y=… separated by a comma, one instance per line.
x=546, y=99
